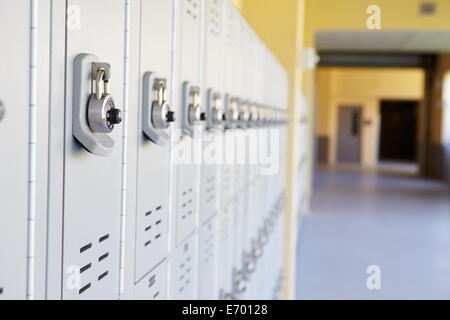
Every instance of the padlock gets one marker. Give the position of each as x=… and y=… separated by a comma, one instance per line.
x=254, y=115
x=218, y=116
x=102, y=111
x=162, y=116
x=239, y=285
x=249, y=263
x=195, y=112
x=234, y=110
x=244, y=114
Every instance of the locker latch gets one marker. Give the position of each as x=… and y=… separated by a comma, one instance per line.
x=157, y=114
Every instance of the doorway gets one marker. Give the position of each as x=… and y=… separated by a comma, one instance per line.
x=349, y=135
x=398, y=133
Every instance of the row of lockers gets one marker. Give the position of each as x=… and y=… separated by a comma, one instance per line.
x=101, y=104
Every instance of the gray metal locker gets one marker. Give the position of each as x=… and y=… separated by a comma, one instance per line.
x=153, y=158
x=14, y=119
x=93, y=179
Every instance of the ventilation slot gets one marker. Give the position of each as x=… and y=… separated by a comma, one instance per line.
x=84, y=288
x=103, y=257
x=86, y=267
x=105, y=237
x=86, y=247
x=1, y=290
x=104, y=274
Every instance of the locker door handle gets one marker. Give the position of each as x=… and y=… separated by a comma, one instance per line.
x=102, y=115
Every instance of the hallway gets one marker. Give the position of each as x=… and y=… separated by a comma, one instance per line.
x=401, y=224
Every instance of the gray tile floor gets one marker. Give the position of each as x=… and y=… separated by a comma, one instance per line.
x=401, y=224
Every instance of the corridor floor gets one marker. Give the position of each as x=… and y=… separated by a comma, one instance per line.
x=400, y=224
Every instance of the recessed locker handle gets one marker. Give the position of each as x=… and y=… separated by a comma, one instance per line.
x=94, y=112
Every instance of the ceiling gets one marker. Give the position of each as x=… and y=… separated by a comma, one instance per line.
x=384, y=41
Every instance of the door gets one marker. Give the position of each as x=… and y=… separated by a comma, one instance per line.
x=349, y=135
x=398, y=130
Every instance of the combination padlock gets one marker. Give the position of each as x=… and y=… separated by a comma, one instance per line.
x=162, y=116
x=254, y=115
x=102, y=111
x=195, y=112
x=234, y=110
x=239, y=285
x=244, y=114
x=218, y=116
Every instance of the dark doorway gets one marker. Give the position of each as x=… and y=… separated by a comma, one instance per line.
x=398, y=138
x=349, y=135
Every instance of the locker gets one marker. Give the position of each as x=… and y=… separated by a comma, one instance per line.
x=153, y=158
x=14, y=100
x=92, y=189
x=187, y=93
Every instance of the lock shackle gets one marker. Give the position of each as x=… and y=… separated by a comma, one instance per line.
x=161, y=91
x=101, y=76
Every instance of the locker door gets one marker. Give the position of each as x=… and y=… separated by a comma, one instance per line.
x=92, y=189
x=225, y=218
x=212, y=144
x=153, y=156
x=14, y=100
x=187, y=81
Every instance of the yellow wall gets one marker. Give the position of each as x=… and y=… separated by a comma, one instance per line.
x=237, y=4
x=362, y=87
x=351, y=15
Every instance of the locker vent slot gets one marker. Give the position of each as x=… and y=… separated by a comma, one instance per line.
x=96, y=253
x=210, y=192
x=187, y=206
x=192, y=8
x=214, y=19
x=105, y=237
x=104, y=274
x=84, y=288
x=86, y=247
x=185, y=273
x=1, y=290
x=86, y=267
x=103, y=257
x=153, y=228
